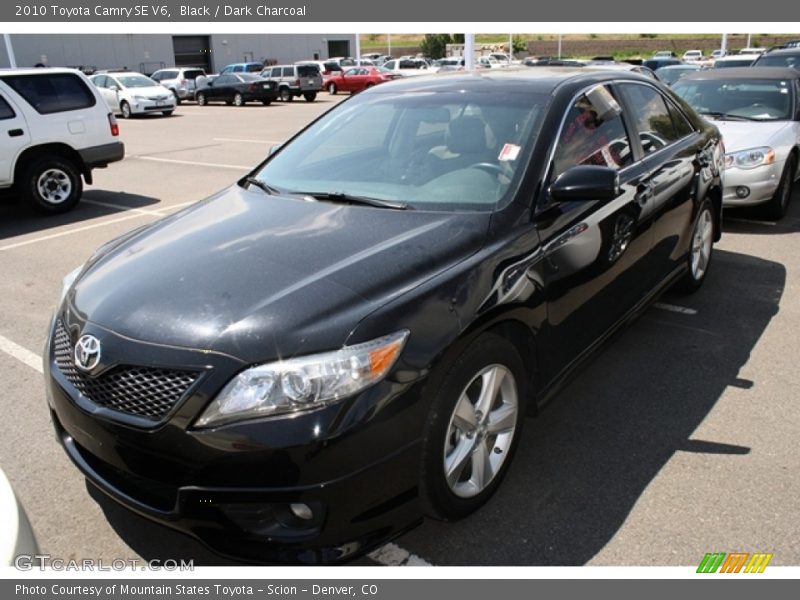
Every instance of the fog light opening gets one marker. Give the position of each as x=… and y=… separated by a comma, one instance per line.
x=301, y=511
x=742, y=191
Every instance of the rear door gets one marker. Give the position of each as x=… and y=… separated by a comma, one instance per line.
x=668, y=145
x=14, y=137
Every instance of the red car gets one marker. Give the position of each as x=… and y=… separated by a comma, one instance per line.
x=357, y=79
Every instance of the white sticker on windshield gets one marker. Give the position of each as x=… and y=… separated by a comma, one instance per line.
x=509, y=152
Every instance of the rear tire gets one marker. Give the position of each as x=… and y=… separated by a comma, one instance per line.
x=177, y=98
x=777, y=206
x=52, y=184
x=285, y=95
x=701, y=250
x=266, y=102
x=310, y=96
x=473, y=428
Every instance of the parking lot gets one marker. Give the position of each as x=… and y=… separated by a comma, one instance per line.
x=639, y=461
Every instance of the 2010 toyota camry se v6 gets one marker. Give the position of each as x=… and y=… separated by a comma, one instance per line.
x=303, y=365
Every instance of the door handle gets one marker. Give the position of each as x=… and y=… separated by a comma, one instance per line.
x=644, y=193
x=15, y=132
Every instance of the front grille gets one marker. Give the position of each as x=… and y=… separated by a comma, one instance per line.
x=140, y=391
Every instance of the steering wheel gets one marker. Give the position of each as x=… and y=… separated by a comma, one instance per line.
x=490, y=168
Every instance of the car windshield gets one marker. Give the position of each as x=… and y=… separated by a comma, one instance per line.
x=136, y=81
x=780, y=60
x=756, y=99
x=671, y=75
x=443, y=151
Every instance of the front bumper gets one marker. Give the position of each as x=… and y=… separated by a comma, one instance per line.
x=145, y=106
x=761, y=183
x=232, y=487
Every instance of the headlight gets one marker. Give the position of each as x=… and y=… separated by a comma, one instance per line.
x=141, y=98
x=67, y=282
x=748, y=159
x=304, y=383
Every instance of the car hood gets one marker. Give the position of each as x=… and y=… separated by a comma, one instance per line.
x=255, y=276
x=741, y=135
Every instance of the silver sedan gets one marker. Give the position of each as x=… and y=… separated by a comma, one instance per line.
x=757, y=109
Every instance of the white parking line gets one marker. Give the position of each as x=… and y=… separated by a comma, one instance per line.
x=21, y=354
x=676, y=309
x=246, y=141
x=393, y=555
x=141, y=211
x=51, y=236
x=193, y=163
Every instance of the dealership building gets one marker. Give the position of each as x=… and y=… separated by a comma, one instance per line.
x=149, y=52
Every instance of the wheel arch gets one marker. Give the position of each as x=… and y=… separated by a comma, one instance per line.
x=53, y=149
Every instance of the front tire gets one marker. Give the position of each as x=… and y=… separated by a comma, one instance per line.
x=238, y=100
x=332, y=89
x=776, y=208
x=700, y=250
x=167, y=113
x=201, y=99
x=473, y=428
x=125, y=110
x=52, y=184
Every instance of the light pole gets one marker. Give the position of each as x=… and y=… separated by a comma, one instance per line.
x=12, y=61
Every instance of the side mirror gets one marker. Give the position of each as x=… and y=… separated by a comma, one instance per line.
x=113, y=88
x=586, y=183
x=273, y=149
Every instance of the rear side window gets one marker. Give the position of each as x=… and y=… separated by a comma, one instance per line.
x=6, y=112
x=653, y=121
x=58, y=92
x=288, y=71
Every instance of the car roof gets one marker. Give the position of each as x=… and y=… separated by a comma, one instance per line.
x=746, y=73
x=37, y=70
x=510, y=79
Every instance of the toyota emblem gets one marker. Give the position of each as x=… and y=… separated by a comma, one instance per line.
x=87, y=353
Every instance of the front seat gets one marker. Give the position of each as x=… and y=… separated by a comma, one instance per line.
x=465, y=144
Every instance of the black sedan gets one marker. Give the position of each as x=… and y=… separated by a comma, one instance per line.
x=237, y=89
x=305, y=364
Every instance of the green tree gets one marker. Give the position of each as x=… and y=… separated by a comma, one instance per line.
x=434, y=45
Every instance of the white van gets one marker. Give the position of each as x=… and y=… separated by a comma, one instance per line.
x=58, y=128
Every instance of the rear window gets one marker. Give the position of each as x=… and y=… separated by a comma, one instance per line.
x=254, y=67
x=307, y=71
x=332, y=66
x=193, y=73
x=58, y=92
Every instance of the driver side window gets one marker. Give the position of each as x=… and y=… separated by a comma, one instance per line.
x=593, y=134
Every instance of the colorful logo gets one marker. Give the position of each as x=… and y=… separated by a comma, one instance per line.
x=735, y=562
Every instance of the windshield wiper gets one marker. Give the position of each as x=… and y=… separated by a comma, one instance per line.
x=722, y=115
x=352, y=199
x=264, y=187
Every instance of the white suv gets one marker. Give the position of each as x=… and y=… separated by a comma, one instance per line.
x=57, y=129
